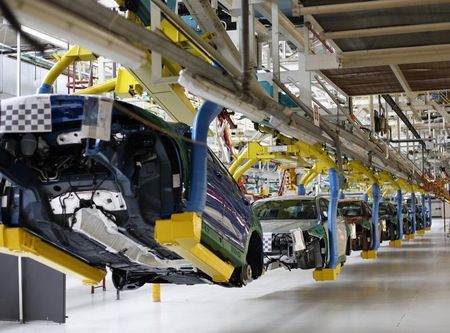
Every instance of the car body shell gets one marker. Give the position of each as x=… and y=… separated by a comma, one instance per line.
x=146, y=164
x=387, y=216
x=279, y=233
x=358, y=214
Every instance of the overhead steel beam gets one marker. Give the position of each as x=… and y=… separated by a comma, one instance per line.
x=402, y=55
x=441, y=110
x=208, y=21
x=110, y=34
x=320, y=30
x=403, y=117
x=286, y=28
x=406, y=88
x=386, y=31
x=197, y=40
x=101, y=30
x=366, y=6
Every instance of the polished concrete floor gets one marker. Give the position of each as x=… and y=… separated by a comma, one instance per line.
x=405, y=290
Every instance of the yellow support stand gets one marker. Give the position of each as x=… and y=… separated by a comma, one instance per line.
x=421, y=232
x=371, y=254
x=395, y=243
x=326, y=274
x=156, y=292
x=19, y=242
x=410, y=237
x=182, y=234
x=427, y=228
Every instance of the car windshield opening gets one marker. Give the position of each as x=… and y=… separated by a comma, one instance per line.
x=351, y=208
x=383, y=210
x=286, y=210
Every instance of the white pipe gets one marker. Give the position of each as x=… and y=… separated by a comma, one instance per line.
x=19, y=66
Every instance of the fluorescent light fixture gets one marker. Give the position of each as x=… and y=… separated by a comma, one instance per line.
x=52, y=40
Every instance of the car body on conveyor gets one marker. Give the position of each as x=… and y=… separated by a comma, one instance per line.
x=296, y=233
x=387, y=216
x=98, y=199
x=420, y=222
x=407, y=219
x=358, y=215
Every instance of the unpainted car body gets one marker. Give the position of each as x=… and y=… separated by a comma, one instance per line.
x=358, y=216
x=295, y=231
x=98, y=199
x=407, y=219
x=387, y=216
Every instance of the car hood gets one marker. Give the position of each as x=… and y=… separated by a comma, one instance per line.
x=277, y=226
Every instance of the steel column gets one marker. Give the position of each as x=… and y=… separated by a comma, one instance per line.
x=399, y=214
x=375, y=205
x=430, y=211
x=424, y=212
x=332, y=213
x=413, y=212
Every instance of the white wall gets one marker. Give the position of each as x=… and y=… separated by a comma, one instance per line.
x=31, y=76
x=438, y=209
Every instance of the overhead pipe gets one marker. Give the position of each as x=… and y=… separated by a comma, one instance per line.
x=96, y=89
x=199, y=156
x=245, y=47
x=240, y=171
x=53, y=73
x=305, y=180
x=402, y=116
x=319, y=37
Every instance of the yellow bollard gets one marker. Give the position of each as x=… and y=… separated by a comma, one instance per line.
x=156, y=292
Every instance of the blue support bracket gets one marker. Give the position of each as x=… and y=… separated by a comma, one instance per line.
x=197, y=196
x=413, y=213
x=375, y=206
x=332, y=214
x=423, y=212
x=430, y=211
x=333, y=267
x=365, y=197
x=301, y=189
x=398, y=242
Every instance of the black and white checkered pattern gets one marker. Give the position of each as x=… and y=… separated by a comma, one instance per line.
x=267, y=242
x=25, y=115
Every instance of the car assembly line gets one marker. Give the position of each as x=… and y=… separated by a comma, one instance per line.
x=225, y=151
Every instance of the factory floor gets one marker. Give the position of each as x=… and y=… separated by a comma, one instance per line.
x=406, y=289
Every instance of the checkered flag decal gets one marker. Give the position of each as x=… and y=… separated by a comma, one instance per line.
x=267, y=242
x=26, y=115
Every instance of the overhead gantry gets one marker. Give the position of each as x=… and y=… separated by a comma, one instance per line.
x=300, y=151
x=355, y=171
